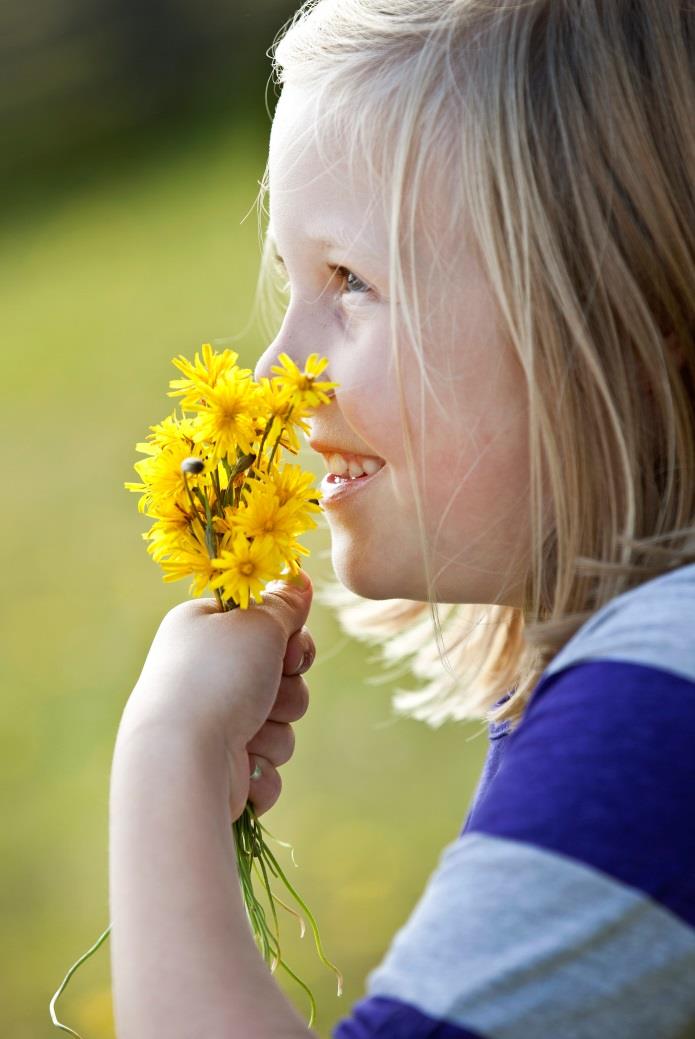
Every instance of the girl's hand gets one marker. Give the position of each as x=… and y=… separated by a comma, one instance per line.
x=234, y=677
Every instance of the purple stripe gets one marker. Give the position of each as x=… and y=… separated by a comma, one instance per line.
x=377, y=1017
x=603, y=771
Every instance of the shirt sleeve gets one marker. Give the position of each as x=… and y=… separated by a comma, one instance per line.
x=567, y=906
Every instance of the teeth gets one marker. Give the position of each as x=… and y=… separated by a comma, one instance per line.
x=352, y=467
x=337, y=464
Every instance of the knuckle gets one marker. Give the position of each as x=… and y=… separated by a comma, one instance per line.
x=266, y=791
x=274, y=785
x=308, y=650
x=290, y=740
x=176, y=611
x=284, y=740
x=302, y=698
x=189, y=607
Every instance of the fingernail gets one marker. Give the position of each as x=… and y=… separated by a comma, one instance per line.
x=306, y=662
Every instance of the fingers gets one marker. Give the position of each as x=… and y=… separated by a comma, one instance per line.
x=289, y=603
x=292, y=700
x=265, y=790
x=274, y=741
x=300, y=653
x=273, y=745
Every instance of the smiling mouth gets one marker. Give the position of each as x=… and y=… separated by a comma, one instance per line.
x=343, y=468
x=337, y=486
x=335, y=478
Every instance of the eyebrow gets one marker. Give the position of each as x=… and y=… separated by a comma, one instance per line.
x=339, y=241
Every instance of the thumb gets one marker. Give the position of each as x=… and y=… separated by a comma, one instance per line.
x=289, y=600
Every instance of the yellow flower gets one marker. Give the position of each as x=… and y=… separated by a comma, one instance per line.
x=263, y=518
x=169, y=530
x=226, y=525
x=225, y=417
x=255, y=523
x=306, y=392
x=202, y=376
x=277, y=398
x=162, y=480
x=290, y=559
x=171, y=430
x=293, y=485
x=245, y=567
x=166, y=446
x=190, y=558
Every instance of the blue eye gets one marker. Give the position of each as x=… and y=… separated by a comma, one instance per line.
x=356, y=284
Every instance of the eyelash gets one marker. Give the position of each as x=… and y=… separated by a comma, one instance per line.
x=343, y=272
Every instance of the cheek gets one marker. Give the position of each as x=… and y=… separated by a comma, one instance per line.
x=477, y=465
x=368, y=400
x=476, y=486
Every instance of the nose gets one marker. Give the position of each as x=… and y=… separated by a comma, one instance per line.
x=265, y=362
x=295, y=338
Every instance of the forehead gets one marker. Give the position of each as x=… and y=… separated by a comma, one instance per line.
x=306, y=145
x=331, y=194
x=315, y=187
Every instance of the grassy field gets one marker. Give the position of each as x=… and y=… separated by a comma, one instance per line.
x=102, y=284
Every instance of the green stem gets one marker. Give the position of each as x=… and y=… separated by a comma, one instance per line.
x=277, y=442
x=284, y=844
x=260, y=863
x=312, y=1001
x=310, y=915
x=218, y=494
x=90, y=952
x=194, y=507
x=265, y=434
x=302, y=925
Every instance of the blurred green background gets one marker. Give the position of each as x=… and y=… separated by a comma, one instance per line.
x=137, y=138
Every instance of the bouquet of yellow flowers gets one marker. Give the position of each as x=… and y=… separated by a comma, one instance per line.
x=227, y=512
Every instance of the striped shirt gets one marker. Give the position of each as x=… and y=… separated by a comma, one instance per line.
x=565, y=908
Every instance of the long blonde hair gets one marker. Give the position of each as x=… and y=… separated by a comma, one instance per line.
x=563, y=128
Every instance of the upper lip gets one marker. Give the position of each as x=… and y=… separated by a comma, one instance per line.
x=332, y=449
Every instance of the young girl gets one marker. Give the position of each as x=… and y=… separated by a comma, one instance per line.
x=485, y=213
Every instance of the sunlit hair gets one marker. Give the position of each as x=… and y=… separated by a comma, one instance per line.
x=562, y=130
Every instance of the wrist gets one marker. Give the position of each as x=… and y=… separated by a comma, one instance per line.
x=146, y=735
x=147, y=743
x=151, y=713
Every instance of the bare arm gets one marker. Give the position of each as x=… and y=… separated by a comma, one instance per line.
x=184, y=962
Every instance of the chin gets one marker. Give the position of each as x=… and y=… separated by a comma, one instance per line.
x=354, y=570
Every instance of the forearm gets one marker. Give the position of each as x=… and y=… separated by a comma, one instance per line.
x=184, y=961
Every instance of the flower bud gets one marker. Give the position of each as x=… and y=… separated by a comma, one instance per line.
x=192, y=465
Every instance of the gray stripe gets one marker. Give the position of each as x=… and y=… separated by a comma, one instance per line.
x=653, y=624
x=519, y=943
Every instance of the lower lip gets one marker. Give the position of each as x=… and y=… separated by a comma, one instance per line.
x=335, y=489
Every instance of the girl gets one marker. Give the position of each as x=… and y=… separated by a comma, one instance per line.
x=485, y=213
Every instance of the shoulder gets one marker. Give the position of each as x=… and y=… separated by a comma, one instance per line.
x=601, y=769
x=620, y=695
x=567, y=907
x=652, y=625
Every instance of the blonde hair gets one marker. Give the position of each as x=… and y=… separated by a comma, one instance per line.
x=563, y=129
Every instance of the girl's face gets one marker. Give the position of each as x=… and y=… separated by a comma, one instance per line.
x=472, y=455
